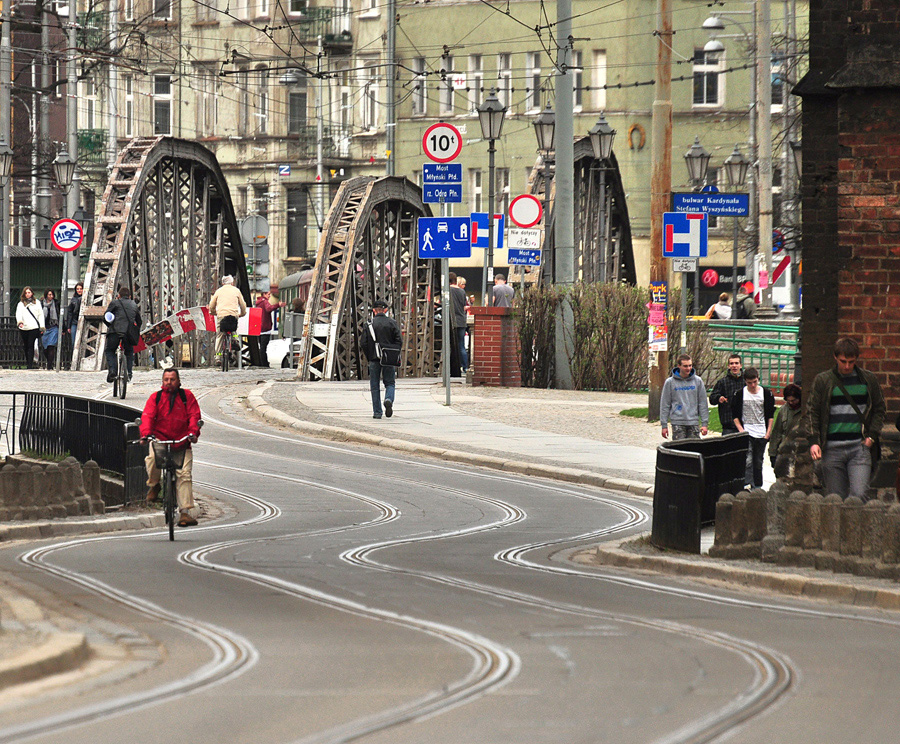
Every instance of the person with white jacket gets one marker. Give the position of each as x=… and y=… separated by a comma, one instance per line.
x=30, y=319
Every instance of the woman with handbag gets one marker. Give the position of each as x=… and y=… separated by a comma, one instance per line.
x=50, y=339
x=30, y=319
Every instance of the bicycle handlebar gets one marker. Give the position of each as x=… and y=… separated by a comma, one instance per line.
x=169, y=441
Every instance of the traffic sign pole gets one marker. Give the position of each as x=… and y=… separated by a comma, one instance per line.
x=445, y=318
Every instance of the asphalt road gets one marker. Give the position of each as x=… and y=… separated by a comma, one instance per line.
x=361, y=595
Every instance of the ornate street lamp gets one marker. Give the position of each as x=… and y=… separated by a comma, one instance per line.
x=64, y=170
x=6, y=158
x=697, y=161
x=736, y=167
x=491, y=114
x=602, y=136
x=42, y=239
x=545, y=132
x=545, y=129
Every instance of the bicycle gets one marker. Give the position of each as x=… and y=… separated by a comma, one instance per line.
x=167, y=479
x=120, y=384
x=227, y=326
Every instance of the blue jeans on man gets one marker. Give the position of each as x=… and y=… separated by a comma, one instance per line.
x=461, y=344
x=377, y=373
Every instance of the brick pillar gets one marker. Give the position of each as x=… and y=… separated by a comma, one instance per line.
x=496, y=359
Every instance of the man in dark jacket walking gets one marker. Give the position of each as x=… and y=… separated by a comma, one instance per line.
x=123, y=311
x=387, y=335
x=723, y=391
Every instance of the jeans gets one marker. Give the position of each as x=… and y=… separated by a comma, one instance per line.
x=112, y=343
x=461, y=343
x=756, y=450
x=685, y=431
x=377, y=373
x=846, y=468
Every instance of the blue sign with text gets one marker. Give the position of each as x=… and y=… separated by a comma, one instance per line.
x=725, y=205
x=441, y=173
x=435, y=193
x=524, y=257
x=445, y=237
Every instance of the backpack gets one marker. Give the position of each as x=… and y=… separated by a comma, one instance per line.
x=180, y=395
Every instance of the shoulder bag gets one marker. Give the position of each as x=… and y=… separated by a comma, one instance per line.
x=388, y=356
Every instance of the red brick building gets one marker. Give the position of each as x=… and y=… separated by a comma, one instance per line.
x=851, y=187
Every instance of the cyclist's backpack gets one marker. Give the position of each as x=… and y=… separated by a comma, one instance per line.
x=180, y=395
x=228, y=324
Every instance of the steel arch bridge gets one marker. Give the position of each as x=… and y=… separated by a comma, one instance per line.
x=603, y=247
x=368, y=251
x=167, y=230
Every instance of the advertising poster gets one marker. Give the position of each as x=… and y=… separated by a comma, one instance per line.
x=658, y=335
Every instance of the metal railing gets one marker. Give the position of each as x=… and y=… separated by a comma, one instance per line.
x=12, y=354
x=770, y=348
x=54, y=425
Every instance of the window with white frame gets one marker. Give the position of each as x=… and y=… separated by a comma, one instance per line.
x=447, y=92
x=297, y=104
x=577, y=81
x=345, y=101
x=709, y=83
x=128, y=84
x=206, y=10
x=369, y=99
x=262, y=100
x=60, y=73
x=419, y=99
x=504, y=79
x=261, y=200
x=206, y=102
x=534, y=80
x=475, y=189
x=501, y=190
x=162, y=104
x=88, y=103
x=297, y=7
x=779, y=70
x=242, y=201
x=262, y=8
x=128, y=10
x=242, y=83
x=598, y=80
x=476, y=81
x=162, y=10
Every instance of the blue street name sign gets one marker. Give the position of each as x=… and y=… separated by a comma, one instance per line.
x=441, y=173
x=435, y=193
x=726, y=205
x=445, y=237
x=524, y=257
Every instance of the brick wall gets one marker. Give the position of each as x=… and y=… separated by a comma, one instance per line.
x=496, y=360
x=851, y=187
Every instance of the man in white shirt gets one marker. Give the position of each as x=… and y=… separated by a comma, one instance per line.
x=753, y=408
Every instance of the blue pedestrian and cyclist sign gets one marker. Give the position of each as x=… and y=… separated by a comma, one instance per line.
x=445, y=237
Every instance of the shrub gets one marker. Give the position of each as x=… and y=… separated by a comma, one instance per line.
x=536, y=319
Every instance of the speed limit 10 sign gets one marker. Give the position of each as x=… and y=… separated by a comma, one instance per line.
x=442, y=142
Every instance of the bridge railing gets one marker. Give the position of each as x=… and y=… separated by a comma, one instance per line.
x=55, y=425
x=12, y=354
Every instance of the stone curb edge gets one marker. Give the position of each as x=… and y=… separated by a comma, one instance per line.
x=63, y=652
x=259, y=406
x=793, y=585
x=65, y=528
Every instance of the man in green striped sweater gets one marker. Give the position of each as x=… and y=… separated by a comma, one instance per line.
x=846, y=412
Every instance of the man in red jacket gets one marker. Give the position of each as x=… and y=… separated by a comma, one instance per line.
x=264, y=301
x=170, y=414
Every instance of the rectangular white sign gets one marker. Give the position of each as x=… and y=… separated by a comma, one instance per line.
x=685, y=265
x=519, y=237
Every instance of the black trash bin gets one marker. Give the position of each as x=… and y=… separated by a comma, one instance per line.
x=691, y=475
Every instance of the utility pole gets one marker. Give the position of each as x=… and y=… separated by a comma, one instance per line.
x=44, y=194
x=764, y=140
x=660, y=181
x=564, y=205
x=74, y=195
x=112, y=145
x=391, y=124
x=320, y=100
x=6, y=135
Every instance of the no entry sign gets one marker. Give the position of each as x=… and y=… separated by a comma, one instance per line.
x=66, y=235
x=525, y=210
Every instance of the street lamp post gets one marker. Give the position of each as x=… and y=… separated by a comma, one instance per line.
x=6, y=158
x=736, y=167
x=697, y=161
x=602, y=136
x=64, y=170
x=545, y=131
x=491, y=114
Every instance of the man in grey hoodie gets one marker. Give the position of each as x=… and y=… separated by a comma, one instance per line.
x=683, y=403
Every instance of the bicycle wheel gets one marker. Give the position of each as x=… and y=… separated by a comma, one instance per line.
x=122, y=381
x=170, y=501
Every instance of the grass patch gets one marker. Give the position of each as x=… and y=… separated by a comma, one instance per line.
x=42, y=456
x=642, y=413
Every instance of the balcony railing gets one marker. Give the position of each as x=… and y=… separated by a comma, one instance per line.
x=328, y=23
x=335, y=141
x=92, y=33
x=92, y=146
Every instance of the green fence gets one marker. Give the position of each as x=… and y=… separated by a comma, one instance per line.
x=770, y=348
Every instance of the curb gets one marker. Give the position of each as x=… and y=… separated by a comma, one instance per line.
x=790, y=584
x=63, y=652
x=257, y=403
x=65, y=528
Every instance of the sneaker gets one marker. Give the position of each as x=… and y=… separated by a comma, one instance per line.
x=153, y=493
x=186, y=520
x=129, y=377
x=376, y=416
x=389, y=408
x=110, y=376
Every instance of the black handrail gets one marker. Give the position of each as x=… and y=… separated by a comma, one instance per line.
x=52, y=425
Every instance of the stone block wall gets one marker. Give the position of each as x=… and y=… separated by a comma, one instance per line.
x=826, y=533
x=496, y=359
x=37, y=490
